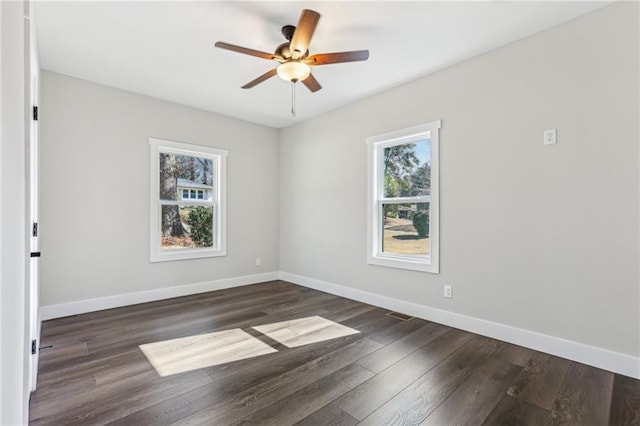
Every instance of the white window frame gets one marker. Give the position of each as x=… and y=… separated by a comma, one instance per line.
x=375, y=146
x=218, y=200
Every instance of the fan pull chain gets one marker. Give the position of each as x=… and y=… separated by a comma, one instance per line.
x=293, y=99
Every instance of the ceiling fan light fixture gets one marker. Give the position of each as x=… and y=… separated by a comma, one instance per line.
x=294, y=71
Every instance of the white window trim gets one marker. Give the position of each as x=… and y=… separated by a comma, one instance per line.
x=219, y=157
x=375, y=197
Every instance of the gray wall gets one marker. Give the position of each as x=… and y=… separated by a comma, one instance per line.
x=95, y=191
x=543, y=238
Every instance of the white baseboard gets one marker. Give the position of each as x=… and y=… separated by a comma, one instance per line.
x=82, y=306
x=602, y=358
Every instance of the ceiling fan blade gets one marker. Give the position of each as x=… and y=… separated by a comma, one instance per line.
x=247, y=51
x=266, y=76
x=311, y=83
x=337, y=57
x=302, y=36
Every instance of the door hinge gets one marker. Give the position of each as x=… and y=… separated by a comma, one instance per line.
x=34, y=229
x=34, y=346
x=35, y=113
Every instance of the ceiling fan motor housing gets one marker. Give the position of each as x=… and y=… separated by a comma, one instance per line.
x=283, y=51
x=287, y=31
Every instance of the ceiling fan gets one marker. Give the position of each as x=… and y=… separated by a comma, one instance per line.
x=293, y=55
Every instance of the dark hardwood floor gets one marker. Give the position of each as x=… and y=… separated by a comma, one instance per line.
x=393, y=372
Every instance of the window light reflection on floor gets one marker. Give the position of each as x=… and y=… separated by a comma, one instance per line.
x=203, y=350
x=304, y=331
x=206, y=350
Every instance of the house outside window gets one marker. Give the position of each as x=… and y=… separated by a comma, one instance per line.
x=187, y=202
x=188, y=189
x=403, y=199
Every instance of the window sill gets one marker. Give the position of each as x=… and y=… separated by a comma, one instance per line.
x=412, y=264
x=167, y=256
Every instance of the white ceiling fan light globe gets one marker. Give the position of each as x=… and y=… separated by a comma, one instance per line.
x=293, y=71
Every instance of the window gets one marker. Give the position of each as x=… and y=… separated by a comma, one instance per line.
x=403, y=198
x=188, y=188
x=193, y=194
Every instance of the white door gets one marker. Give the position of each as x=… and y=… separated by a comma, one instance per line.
x=34, y=247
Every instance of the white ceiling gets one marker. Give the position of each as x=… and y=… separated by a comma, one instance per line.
x=165, y=49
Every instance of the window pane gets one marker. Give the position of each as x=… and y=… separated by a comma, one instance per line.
x=186, y=227
x=407, y=169
x=405, y=229
x=186, y=172
x=200, y=195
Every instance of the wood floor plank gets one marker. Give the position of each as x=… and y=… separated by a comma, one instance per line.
x=513, y=411
x=625, y=401
x=472, y=402
x=398, y=331
x=414, y=404
x=584, y=397
x=370, y=321
x=62, y=390
x=68, y=351
x=87, y=367
x=250, y=372
x=514, y=354
x=304, y=402
x=304, y=303
x=350, y=311
x=266, y=393
x=115, y=400
x=129, y=364
x=366, y=398
x=78, y=325
x=209, y=319
x=329, y=415
x=402, y=347
x=540, y=380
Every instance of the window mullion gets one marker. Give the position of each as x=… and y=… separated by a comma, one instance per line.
x=187, y=202
x=406, y=200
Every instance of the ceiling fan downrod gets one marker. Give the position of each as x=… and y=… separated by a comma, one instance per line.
x=293, y=98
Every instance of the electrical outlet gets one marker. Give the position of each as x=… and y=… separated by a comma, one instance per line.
x=258, y=261
x=448, y=291
x=549, y=137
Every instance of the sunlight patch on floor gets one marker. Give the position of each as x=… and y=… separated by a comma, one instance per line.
x=203, y=350
x=304, y=331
